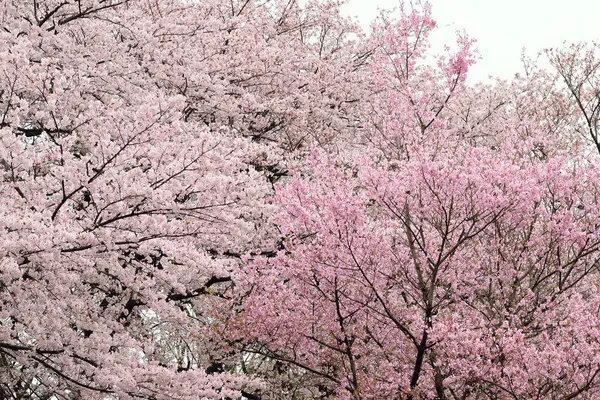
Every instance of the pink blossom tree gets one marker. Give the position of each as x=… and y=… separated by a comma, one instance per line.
x=456, y=257
x=137, y=142
x=458, y=278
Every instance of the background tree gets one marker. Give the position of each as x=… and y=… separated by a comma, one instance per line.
x=578, y=65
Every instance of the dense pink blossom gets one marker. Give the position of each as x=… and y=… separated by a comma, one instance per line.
x=224, y=199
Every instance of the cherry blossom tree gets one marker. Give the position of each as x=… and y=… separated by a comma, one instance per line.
x=457, y=255
x=138, y=144
x=451, y=279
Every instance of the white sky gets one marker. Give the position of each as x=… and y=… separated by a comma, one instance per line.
x=502, y=28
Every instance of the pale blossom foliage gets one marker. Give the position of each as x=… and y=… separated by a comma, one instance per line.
x=137, y=144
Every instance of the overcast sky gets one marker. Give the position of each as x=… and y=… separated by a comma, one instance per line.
x=502, y=28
